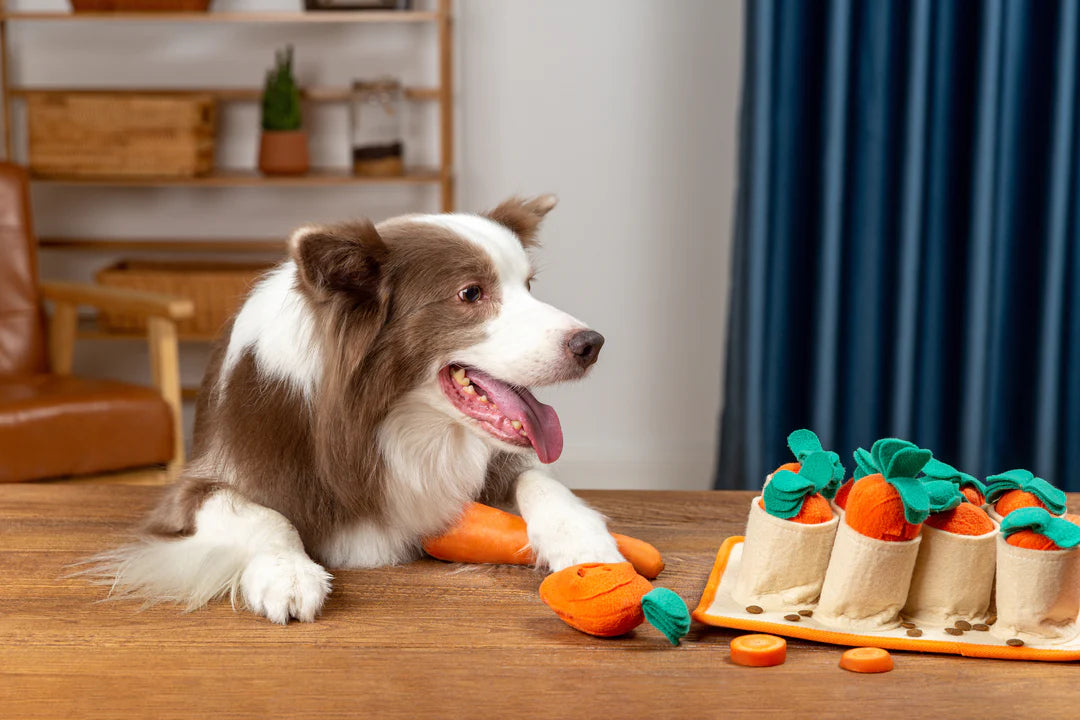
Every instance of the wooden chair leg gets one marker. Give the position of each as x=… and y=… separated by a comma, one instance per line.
x=165, y=366
x=62, y=338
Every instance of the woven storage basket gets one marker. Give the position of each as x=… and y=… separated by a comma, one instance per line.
x=120, y=134
x=140, y=5
x=217, y=289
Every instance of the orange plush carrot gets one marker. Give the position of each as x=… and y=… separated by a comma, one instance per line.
x=842, y=494
x=951, y=512
x=969, y=485
x=601, y=599
x=1036, y=529
x=487, y=535
x=804, y=443
x=889, y=504
x=1017, y=489
x=796, y=496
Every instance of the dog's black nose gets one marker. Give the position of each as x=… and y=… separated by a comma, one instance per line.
x=585, y=346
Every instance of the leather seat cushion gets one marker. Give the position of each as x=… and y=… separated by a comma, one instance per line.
x=53, y=426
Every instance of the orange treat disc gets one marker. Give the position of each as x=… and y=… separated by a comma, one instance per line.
x=842, y=494
x=1031, y=540
x=866, y=660
x=1014, y=500
x=973, y=496
x=758, y=650
x=875, y=509
x=964, y=519
x=602, y=599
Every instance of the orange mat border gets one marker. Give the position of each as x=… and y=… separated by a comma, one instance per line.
x=1003, y=652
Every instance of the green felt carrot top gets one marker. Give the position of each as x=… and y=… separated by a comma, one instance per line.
x=785, y=493
x=900, y=463
x=1060, y=531
x=937, y=470
x=667, y=612
x=997, y=485
x=943, y=494
x=804, y=443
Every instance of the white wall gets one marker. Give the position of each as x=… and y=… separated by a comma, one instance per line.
x=625, y=109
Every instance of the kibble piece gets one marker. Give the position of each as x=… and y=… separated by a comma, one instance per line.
x=981, y=627
x=806, y=613
x=914, y=632
x=907, y=625
x=754, y=609
x=963, y=625
x=954, y=631
x=793, y=617
x=1014, y=642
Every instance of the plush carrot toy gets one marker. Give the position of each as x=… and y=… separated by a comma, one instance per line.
x=797, y=496
x=864, y=465
x=890, y=504
x=804, y=443
x=610, y=599
x=487, y=535
x=951, y=511
x=969, y=485
x=1019, y=489
x=1036, y=529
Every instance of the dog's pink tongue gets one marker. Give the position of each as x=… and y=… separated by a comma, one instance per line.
x=540, y=421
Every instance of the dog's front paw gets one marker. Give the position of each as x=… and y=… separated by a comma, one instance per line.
x=283, y=586
x=560, y=545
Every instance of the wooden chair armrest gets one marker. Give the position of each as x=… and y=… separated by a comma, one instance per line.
x=121, y=300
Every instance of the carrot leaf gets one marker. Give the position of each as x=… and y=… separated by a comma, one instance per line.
x=804, y=443
x=666, y=612
x=943, y=494
x=864, y=464
x=938, y=470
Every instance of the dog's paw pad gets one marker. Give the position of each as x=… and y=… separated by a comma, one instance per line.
x=285, y=586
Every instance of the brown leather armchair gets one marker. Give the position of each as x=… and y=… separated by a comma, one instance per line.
x=53, y=424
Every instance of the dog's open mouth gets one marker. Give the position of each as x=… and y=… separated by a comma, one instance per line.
x=511, y=414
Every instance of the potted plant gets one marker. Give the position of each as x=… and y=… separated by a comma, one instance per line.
x=283, y=148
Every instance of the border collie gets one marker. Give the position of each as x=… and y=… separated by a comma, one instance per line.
x=370, y=387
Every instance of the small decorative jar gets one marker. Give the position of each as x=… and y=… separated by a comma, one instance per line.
x=375, y=115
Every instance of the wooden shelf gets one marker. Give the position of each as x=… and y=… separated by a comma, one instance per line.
x=237, y=94
x=231, y=245
x=319, y=177
x=315, y=16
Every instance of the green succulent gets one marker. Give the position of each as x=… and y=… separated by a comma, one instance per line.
x=281, y=96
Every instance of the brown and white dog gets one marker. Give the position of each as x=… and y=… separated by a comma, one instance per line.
x=369, y=388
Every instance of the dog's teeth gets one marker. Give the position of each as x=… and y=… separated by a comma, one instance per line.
x=522, y=434
x=468, y=390
x=459, y=377
x=516, y=424
x=483, y=398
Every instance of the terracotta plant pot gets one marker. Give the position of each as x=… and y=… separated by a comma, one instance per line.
x=283, y=152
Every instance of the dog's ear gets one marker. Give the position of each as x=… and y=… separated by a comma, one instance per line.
x=346, y=258
x=523, y=215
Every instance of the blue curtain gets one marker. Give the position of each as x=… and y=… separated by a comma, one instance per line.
x=907, y=240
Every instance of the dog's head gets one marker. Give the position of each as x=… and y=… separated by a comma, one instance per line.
x=439, y=307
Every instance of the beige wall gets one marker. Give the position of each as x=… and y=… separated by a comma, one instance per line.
x=626, y=109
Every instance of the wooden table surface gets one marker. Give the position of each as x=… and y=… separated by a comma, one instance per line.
x=435, y=640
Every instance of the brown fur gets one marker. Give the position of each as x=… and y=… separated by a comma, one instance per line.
x=386, y=311
x=174, y=517
x=523, y=216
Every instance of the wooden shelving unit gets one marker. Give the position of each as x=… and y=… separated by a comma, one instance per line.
x=442, y=93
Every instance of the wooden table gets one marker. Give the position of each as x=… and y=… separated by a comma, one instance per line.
x=435, y=640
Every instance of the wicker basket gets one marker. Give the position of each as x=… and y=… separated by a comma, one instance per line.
x=121, y=134
x=217, y=289
x=140, y=5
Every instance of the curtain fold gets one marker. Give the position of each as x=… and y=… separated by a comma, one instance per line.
x=907, y=244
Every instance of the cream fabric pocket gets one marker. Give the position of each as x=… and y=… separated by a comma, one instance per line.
x=1038, y=593
x=953, y=578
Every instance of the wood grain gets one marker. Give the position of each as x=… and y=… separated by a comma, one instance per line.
x=434, y=640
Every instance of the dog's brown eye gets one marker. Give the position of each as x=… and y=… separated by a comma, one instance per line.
x=470, y=294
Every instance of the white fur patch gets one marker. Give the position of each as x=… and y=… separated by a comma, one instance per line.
x=276, y=323
x=563, y=530
x=238, y=548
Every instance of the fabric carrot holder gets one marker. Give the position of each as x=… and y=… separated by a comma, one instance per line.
x=1020, y=488
x=869, y=573
x=969, y=485
x=784, y=560
x=954, y=572
x=1038, y=591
